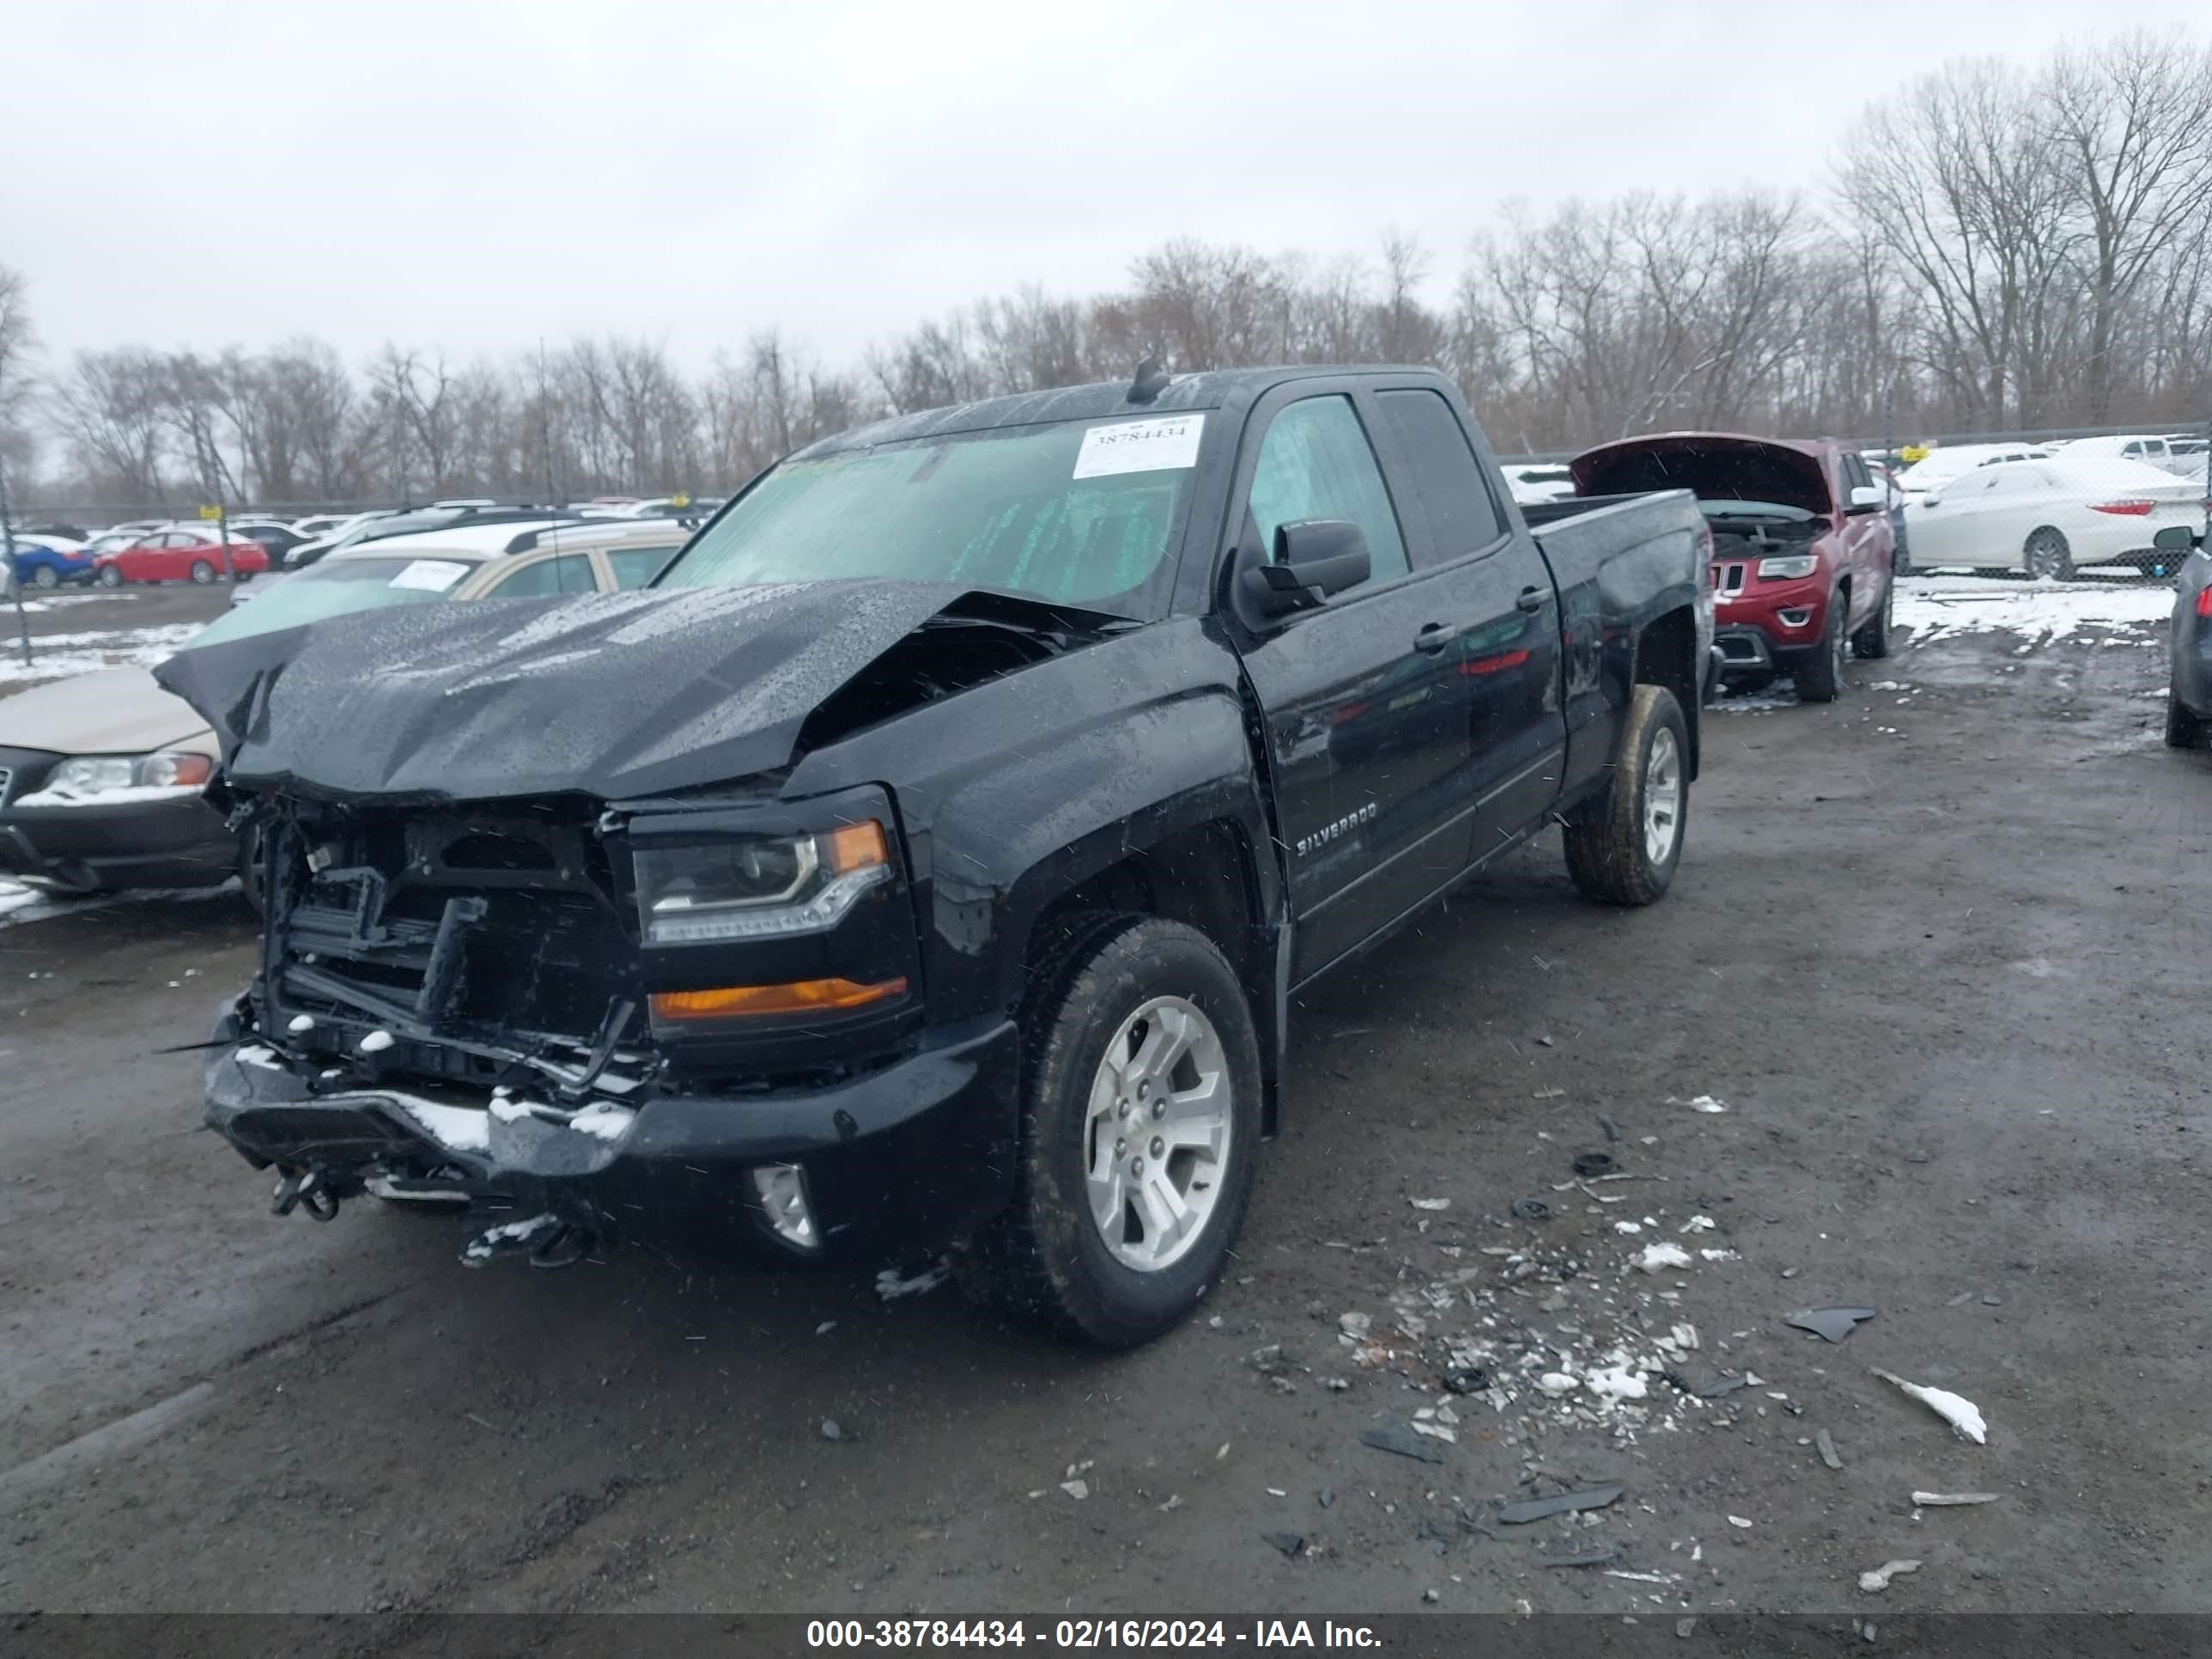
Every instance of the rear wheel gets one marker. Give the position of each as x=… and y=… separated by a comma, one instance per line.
x=46, y=577
x=1821, y=679
x=2184, y=728
x=202, y=572
x=1872, y=641
x=1629, y=857
x=2047, y=556
x=111, y=575
x=1140, y=1127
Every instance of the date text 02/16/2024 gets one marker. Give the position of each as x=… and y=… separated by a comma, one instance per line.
x=1078, y=1634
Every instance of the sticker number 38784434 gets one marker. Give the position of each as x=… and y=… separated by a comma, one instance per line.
x=1154, y=445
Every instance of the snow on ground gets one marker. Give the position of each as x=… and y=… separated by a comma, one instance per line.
x=2041, y=613
x=60, y=656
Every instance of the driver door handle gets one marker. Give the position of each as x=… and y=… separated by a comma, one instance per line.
x=1532, y=598
x=1432, y=638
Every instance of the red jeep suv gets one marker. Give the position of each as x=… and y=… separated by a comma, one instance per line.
x=1803, y=553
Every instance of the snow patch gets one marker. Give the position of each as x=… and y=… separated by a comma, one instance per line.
x=454, y=1127
x=139, y=792
x=2041, y=613
x=603, y=1119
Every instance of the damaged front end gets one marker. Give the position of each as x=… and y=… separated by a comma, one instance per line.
x=694, y=1021
x=548, y=941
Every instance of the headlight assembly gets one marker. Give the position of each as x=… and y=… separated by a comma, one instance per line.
x=1790, y=564
x=103, y=775
x=758, y=886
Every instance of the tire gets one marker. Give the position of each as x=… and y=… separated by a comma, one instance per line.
x=111, y=575
x=1822, y=680
x=2184, y=729
x=1620, y=860
x=2046, y=554
x=1125, y=983
x=1871, y=642
x=202, y=572
x=46, y=577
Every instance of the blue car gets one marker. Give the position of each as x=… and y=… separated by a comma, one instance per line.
x=48, y=562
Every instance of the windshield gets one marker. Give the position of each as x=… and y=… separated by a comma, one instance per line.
x=1080, y=513
x=335, y=588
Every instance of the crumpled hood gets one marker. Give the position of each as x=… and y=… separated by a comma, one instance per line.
x=614, y=695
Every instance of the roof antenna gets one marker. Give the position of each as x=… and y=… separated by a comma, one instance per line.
x=1151, y=380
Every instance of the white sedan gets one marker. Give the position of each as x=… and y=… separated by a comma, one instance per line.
x=2049, y=517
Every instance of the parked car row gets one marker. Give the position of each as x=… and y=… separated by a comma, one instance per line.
x=162, y=550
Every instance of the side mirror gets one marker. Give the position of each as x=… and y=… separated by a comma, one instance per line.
x=2175, y=538
x=1313, y=558
x=1867, y=498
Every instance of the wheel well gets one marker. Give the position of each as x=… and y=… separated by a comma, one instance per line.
x=1667, y=654
x=1178, y=878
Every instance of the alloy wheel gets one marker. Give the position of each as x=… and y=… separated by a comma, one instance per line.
x=1156, y=1135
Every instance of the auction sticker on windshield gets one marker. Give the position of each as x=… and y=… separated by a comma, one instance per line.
x=1155, y=445
x=432, y=575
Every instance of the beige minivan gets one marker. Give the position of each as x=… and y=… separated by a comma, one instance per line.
x=102, y=777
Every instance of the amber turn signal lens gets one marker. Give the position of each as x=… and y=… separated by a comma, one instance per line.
x=805, y=996
x=855, y=847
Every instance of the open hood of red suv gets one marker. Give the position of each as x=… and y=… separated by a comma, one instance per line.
x=1717, y=467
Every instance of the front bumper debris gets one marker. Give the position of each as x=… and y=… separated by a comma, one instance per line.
x=912, y=1156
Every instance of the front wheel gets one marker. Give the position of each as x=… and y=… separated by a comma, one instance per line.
x=1872, y=641
x=1821, y=679
x=46, y=577
x=1140, y=1127
x=111, y=576
x=2047, y=554
x=1629, y=856
x=2184, y=728
x=202, y=572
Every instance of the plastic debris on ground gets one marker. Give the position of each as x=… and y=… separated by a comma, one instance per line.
x=1566, y=1502
x=891, y=1285
x=1826, y=1443
x=1961, y=1413
x=1706, y=1103
x=1658, y=1258
x=1833, y=1324
x=1432, y=1203
x=1879, y=1577
x=1945, y=1500
x=1400, y=1437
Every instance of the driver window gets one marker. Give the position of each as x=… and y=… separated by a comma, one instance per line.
x=1316, y=463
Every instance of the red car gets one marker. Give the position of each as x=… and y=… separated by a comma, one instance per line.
x=179, y=553
x=1803, y=551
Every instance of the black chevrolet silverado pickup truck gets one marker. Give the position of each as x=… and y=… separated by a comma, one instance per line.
x=931, y=857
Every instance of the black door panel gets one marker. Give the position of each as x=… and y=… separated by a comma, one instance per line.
x=1364, y=698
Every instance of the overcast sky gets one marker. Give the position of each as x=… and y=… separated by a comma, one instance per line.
x=480, y=175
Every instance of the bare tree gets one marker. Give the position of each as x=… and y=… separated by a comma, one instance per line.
x=2133, y=119
x=108, y=410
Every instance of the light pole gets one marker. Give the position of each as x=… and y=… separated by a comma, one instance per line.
x=15, y=576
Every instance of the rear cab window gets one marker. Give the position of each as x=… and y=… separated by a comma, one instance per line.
x=1458, y=514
